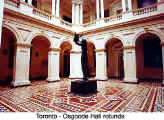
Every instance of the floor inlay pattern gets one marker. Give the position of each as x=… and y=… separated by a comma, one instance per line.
x=113, y=95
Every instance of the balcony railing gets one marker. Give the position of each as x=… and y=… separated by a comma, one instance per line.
x=113, y=18
x=145, y=10
x=15, y=3
x=65, y=23
x=42, y=13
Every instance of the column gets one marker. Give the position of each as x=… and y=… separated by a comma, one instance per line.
x=73, y=13
x=53, y=65
x=124, y=5
x=77, y=9
x=30, y=2
x=75, y=65
x=1, y=17
x=21, y=65
x=130, y=5
x=130, y=64
x=101, y=65
x=81, y=13
x=97, y=9
x=57, y=8
x=53, y=7
x=102, y=8
x=162, y=44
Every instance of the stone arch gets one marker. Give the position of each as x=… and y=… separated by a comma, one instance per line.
x=148, y=66
x=65, y=50
x=10, y=37
x=91, y=59
x=33, y=35
x=115, y=63
x=157, y=32
x=15, y=31
x=39, y=57
x=115, y=37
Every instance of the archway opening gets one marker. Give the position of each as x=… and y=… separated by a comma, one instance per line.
x=65, y=60
x=39, y=58
x=7, y=53
x=115, y=63
x=91, y=59
x=149, y=57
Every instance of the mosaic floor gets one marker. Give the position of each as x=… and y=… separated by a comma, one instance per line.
x=113, y=96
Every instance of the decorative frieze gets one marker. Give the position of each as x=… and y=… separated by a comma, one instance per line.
x=100, y=50
x=76, y=52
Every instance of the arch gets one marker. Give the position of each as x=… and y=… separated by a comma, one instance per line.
x=15, y=31
x=33, y=35
x=7, y=54
x=115, y=63
x=39, y=57
x=65, y=49
x=91, y=59
x=111, y=37
x=148, y=66
x=157, y=32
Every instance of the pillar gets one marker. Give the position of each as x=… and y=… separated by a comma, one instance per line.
x=1, y=17
x=53, y=65
x=21, y=65
x=30, y=2
x=53, y=7
x=130, y=64
x=97, y=9
x=81, y=13
x=130, y=5
x=57, y=8
x=75, y=65
x=73, y=13
x=102, y=8
x=101, y=65
x=124, y=5
x=77, y=7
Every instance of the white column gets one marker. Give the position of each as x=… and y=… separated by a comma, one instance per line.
x=53, y=7
x=101, y=66
x=75, y=66
x=102, y=8
x=30, y=2
x=57, y=8
x=130, y=5
x=21, y=65
x=130, y=65
x=53, y=65
x=81, y=13
x=1, y=17
x=97, y=9
x=124, y=5
x=73, y=13
x=77, y=17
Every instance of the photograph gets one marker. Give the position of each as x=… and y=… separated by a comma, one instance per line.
x=81, y=59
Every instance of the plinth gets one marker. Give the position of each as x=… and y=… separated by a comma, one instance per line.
x=84, y=87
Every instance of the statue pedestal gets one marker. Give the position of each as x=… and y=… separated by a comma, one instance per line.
x=84, y=87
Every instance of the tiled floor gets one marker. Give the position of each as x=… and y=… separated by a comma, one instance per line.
x=113, y=96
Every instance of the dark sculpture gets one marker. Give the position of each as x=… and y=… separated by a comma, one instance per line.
x=84, y=56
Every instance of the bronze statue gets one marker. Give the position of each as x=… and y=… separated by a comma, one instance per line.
x=84, y=56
